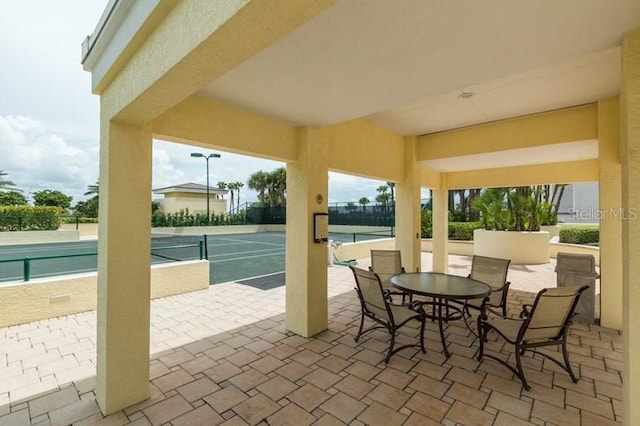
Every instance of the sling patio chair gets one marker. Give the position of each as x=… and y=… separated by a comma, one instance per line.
x=387, y=263
x=545, y=323
x=375, y=305
x=493, y=272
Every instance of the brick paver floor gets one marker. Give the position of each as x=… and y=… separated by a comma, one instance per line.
x=223, y=356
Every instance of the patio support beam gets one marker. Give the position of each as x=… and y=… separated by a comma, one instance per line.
x=408, y=217
x=440, y=230
x=567, y=125
x=610, y=215
x=123, y=311
x=630, y=153
x=306, y=261
x=215, y=125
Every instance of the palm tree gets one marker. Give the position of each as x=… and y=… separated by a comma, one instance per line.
x=363, y=202
x=392, y=186
x=231, y=186
x=6, y=184
x=93, y=189
x=383, y=198
x=238, y=185
x=222, y=185
x=258, y=181
x=279, y=183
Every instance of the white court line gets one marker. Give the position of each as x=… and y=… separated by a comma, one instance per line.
x=245, y=242
x=246, y=257
x=243, y=252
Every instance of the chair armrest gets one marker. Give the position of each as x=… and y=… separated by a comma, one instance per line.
x=526, y=311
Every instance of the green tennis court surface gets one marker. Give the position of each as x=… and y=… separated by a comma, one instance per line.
x=256, y=259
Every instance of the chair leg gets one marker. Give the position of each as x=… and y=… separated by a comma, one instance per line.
x=565, y=355
x=424, y=351
x=518, y=353
x=393, y=342
x=481, y=336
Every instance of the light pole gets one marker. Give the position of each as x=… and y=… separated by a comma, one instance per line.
x=206, y=157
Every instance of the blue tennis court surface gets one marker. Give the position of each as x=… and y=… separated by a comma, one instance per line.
x=256, y=259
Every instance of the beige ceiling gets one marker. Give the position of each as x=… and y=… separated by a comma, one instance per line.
x=404, y=63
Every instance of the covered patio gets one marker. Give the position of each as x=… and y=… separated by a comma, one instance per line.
x=224, y=356
x=440, y=95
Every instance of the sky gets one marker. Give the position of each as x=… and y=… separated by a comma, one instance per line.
x=49, y=119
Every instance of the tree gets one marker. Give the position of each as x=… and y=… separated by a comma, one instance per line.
x=12, y=198
x=258, y=181
x=363, y=202
x=271, y=186
x=93, y=189
x=279, y=186
x=224, y=185
x=238, y=185
x=4, y=183
x=231, y=186
x=52, y=198
x=88, y=208
x=392, y=187
x=351, y=207
x=383, y=198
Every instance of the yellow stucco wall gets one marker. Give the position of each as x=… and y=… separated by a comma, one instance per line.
x=211, y=125
x=53, y=297
x=196, y=203
x=566, y=172
x=610, y=213
x=568, y=125
x=361, y=148
x=630, y=154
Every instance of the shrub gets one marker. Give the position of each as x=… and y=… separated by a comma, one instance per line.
x=580, y=234
x=426, y=224
x=463, y=231
x=27, y=218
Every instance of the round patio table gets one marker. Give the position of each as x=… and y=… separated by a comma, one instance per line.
x=442, y=288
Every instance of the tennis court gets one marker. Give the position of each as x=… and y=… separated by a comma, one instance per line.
x=256, y=259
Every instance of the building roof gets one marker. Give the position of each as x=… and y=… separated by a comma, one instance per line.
x=195, y=188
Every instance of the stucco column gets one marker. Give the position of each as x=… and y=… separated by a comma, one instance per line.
x=440, y=230
x=610, y=215
x=306, y=261
x=123, y=310
x=408, y=209
x=630, y=153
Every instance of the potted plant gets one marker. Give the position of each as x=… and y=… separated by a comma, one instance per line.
x=511, y=218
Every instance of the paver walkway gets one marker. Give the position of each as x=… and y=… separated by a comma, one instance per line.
x=223, y=356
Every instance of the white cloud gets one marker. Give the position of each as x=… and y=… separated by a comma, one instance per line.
x=37, y=159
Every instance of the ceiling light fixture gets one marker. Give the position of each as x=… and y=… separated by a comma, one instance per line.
x=466, y=95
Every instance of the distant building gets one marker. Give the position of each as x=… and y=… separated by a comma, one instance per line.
x=192, y=196
x=580, y=204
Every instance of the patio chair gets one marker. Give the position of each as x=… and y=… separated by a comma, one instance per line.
x=387, y=263
x=375, y=305
x=545, y=323
x=493, y=272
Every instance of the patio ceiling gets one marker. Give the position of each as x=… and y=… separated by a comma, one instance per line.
x=405, y=64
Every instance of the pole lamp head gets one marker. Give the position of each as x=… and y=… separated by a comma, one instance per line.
x=196, y=154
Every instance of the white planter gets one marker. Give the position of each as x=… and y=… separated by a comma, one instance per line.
x=523, y=248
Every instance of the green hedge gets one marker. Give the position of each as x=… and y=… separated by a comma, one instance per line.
x=461, y=231
x=580, y=234
x=27, y=218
